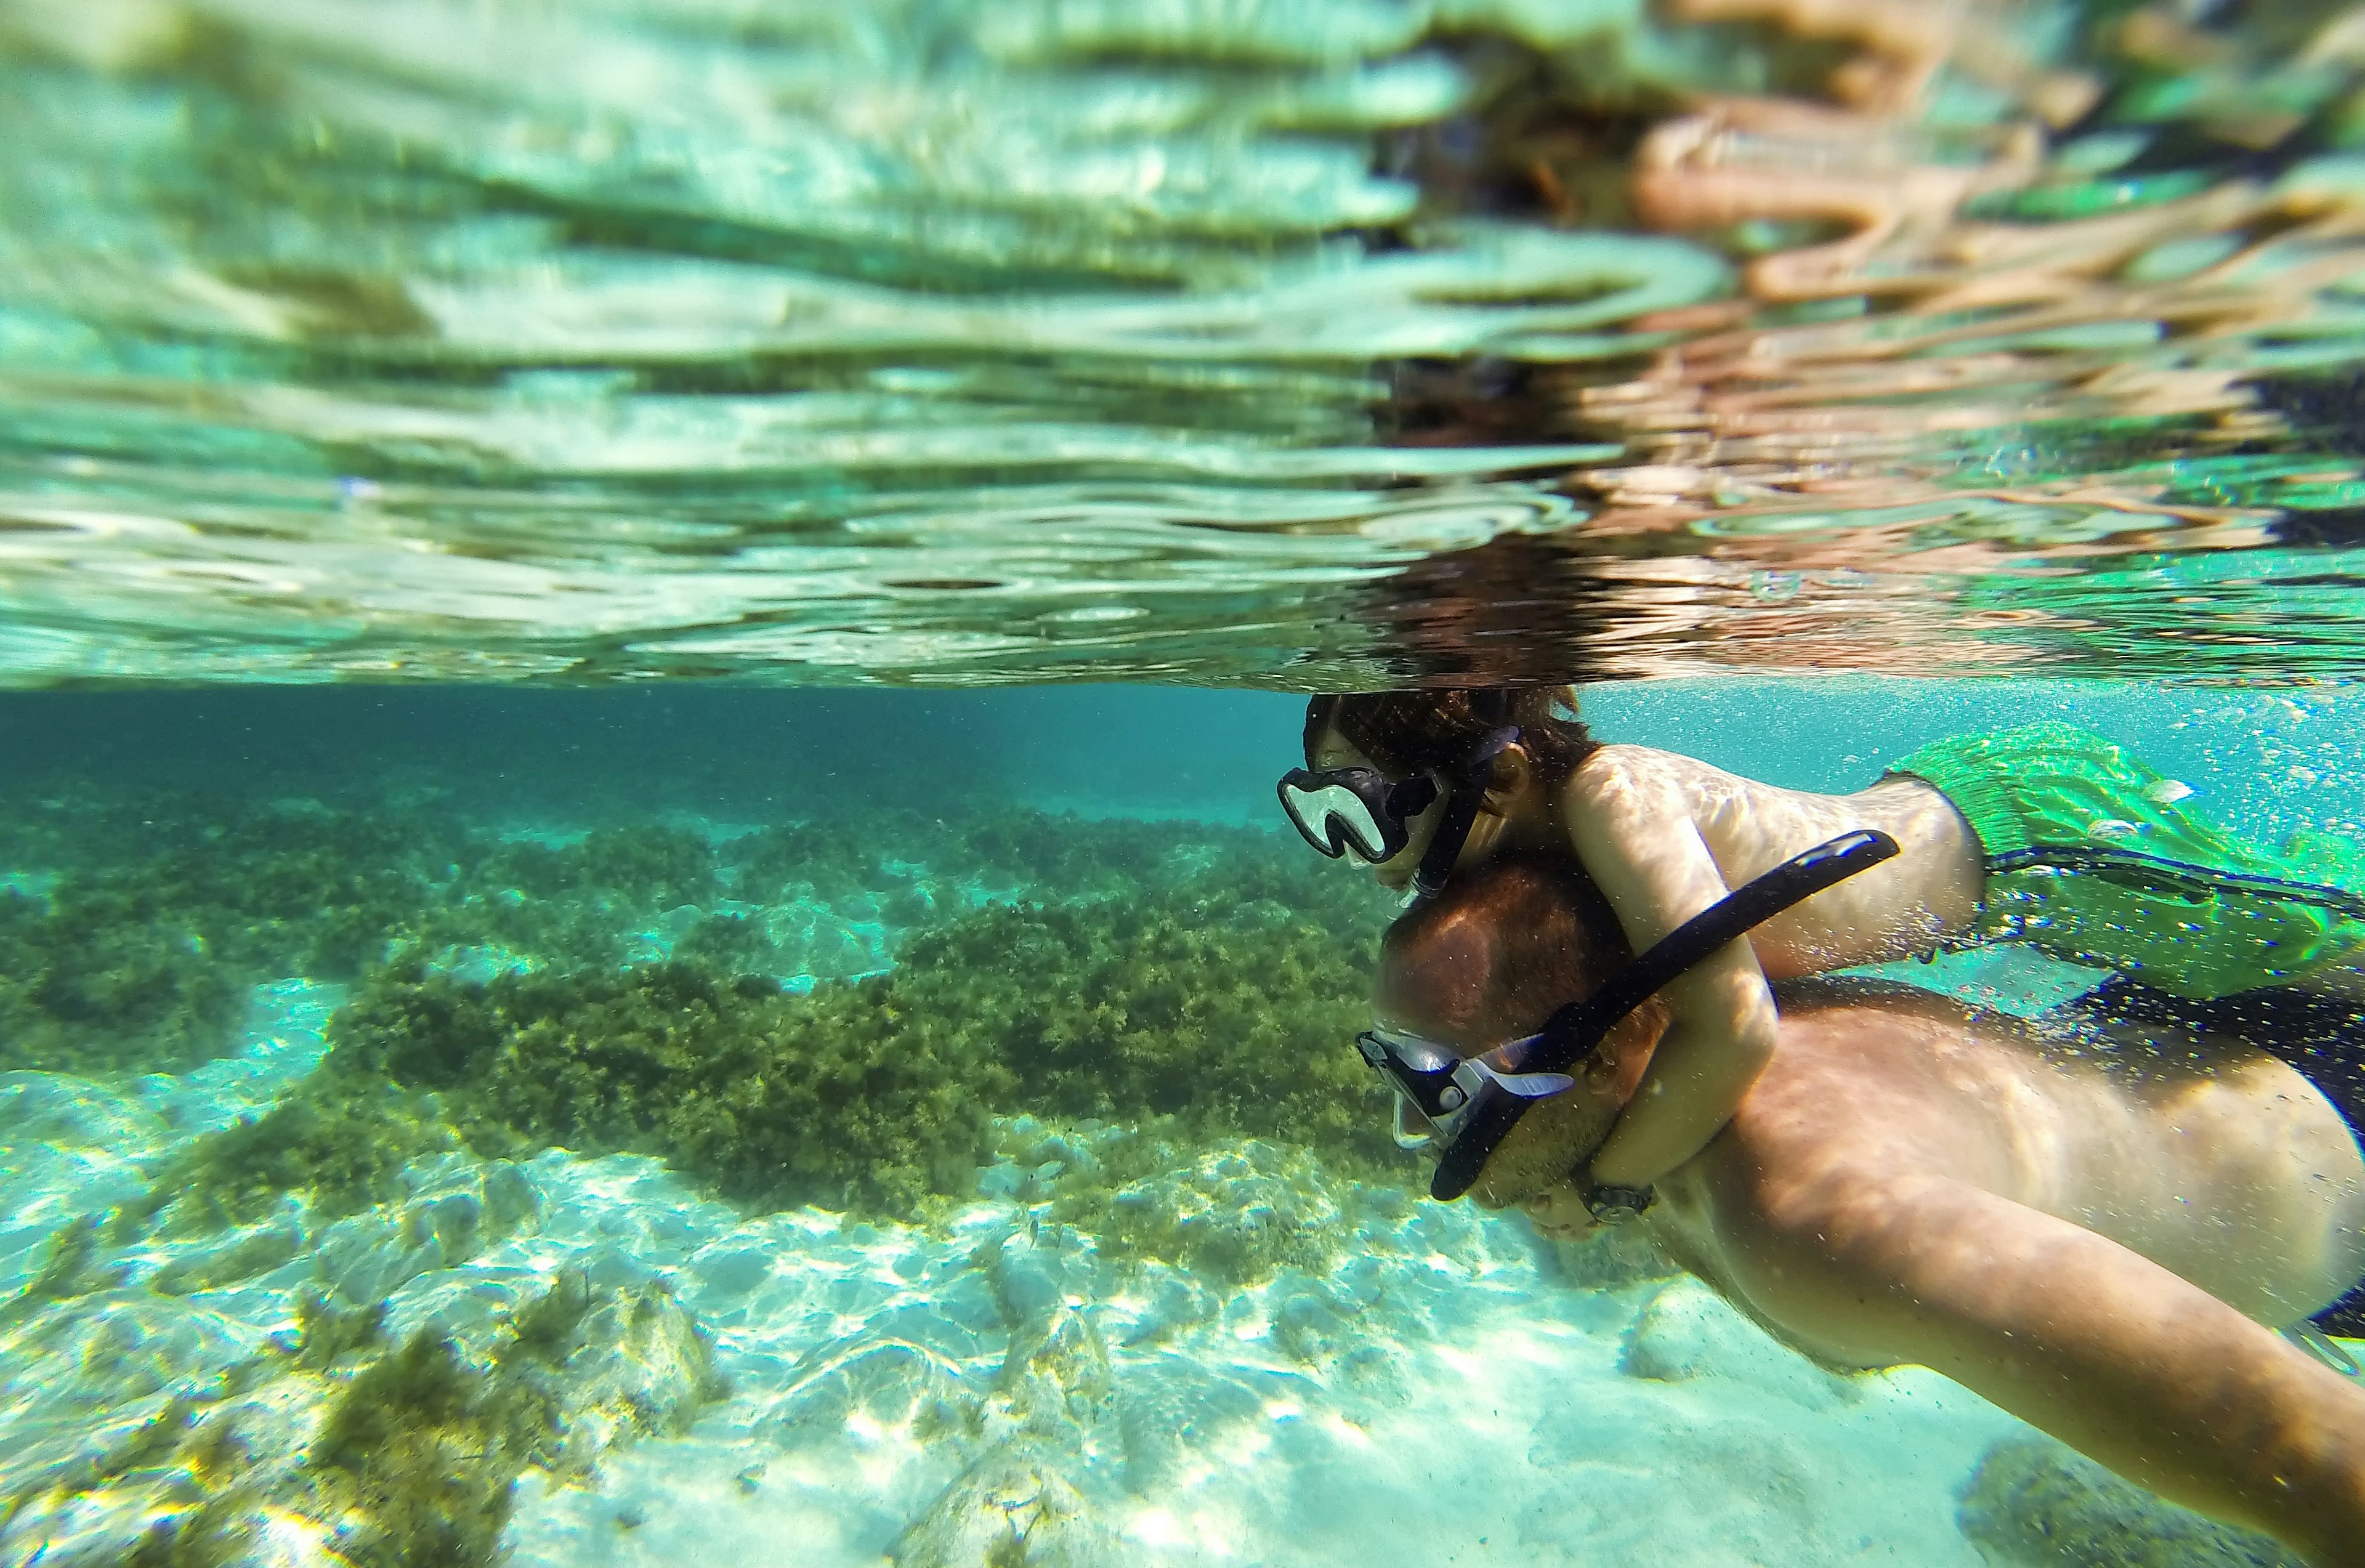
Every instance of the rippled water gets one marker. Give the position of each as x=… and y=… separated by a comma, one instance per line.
x=969, y=340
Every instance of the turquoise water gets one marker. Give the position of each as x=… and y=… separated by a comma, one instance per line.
x=432, y=1132
x=644, y=650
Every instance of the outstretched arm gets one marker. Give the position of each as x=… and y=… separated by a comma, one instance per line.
x=1634, y=832
x=2069, y=1330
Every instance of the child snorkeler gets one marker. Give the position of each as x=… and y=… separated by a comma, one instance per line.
x=2046, y=835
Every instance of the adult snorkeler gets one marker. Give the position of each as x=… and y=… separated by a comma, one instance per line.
x=2047, y=834
x=2094, y=1222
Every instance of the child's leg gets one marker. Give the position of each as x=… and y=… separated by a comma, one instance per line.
x=2073, y=1333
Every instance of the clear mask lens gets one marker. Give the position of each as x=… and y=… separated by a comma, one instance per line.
x=1413, y=1130
x=1334, y=819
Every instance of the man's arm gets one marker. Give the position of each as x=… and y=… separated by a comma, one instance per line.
x=2070, y=1331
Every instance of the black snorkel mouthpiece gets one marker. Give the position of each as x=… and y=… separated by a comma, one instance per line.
x=1576, y=1031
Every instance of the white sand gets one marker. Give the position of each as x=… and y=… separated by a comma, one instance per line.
x=1443, y=1393
x=1459, y=1405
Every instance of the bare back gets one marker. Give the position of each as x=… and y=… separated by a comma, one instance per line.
x=2201, y=1153
x=1627, y=803
x=2219, y=1163
x=2096, y=1234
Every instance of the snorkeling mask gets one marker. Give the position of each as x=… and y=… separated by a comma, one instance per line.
x=1355, y=810
x=1470, y=1104
x=1362, y=811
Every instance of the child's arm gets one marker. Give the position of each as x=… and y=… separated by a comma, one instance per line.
x=1634, y=832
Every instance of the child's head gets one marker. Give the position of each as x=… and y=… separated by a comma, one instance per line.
x=1404, y=735
x=1489, y=960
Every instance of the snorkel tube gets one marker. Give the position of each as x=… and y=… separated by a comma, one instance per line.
x=1576, y=1030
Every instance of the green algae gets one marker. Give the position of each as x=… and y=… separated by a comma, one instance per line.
x=2034, y=1504
x=649, y=866
x=1231, y=1211
x=829, y=859
x=82, y=989
x=424, y=1445
x=69, y=1267
x=1233, y=1215
x=580, y=905
x=1208, y=1002
x=774, y=1100
x=1207, y=979
x=414, y=1449
x=733, y=943
x=564, y=906
x=874, y=851
x=258, y=1253
x=396, y=1453
x=289, y=889
x=344, y=1141
x=905, y=867
x=327, y=1335
x=161, y=912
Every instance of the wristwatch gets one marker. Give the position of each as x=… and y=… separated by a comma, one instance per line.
x=1615, y=1205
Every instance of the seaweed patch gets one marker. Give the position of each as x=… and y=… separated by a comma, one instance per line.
x=624, y=992
x=1205, y=1003
x=376, y=1452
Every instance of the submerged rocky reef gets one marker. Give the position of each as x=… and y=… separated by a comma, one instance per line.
x=2034, y=1504
x=335, y=1439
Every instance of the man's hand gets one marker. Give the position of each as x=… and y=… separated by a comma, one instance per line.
x=1558, y=1213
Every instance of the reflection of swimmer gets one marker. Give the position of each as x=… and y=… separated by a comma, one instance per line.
x=2047, y=836
x=2100, y=1249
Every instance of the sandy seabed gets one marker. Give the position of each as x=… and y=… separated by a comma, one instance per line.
x=1446, y=1388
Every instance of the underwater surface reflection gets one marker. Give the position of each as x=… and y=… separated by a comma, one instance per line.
x=1308, y=344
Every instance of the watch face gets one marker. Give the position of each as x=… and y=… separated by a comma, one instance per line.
x=1616, y=1205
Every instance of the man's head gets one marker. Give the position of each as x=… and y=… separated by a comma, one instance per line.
x=1489, y=960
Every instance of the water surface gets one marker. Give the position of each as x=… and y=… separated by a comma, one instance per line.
x=1293, y=344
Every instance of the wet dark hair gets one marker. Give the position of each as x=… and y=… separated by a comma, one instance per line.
x=1492, y=957
x=1496, y=953
x=1405, y=732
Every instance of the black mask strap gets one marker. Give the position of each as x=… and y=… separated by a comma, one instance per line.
x=1461, y=815
x=1576, y=1030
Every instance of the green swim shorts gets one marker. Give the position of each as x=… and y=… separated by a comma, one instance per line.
x=2056, y=795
